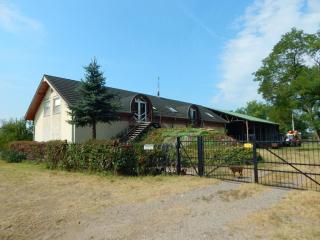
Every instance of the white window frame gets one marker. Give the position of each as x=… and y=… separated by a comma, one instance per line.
x=139, y=115
x=46, y=110
x=56, y=108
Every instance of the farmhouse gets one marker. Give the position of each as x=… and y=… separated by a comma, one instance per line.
x=49, y=112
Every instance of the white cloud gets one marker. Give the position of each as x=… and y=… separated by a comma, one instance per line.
x=261, y=28
x=12, y=20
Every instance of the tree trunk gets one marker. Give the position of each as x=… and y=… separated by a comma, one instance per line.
x=94, y=130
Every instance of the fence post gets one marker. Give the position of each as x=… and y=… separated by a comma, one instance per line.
x=200, y=156
x=255, y=160
x=178, y=146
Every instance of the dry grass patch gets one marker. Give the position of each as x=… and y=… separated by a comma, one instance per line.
x=242, y=192
x=34, y=199
x=297, y=216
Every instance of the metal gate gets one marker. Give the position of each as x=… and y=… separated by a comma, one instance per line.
x=268, y=162
x=289, y=166
x=187, y=157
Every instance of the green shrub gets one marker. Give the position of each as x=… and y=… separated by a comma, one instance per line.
x=32, y=149
x=14, y=130
x=92, y=156
x=231, y=155
x=125, y=160
x=13, y=156
x=96, y=156
x=157, y=160
x=55, y=153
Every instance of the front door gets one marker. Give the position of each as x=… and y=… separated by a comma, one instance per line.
x=141, y=108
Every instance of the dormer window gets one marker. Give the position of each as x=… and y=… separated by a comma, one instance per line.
x=56, y=105
x=194, y=115
x=46, y=108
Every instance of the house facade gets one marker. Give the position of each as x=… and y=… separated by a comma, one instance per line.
x=50, y=106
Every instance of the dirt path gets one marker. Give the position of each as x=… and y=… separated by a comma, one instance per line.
x=198, y=214
x=36, y=203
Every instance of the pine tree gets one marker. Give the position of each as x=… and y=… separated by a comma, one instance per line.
x=95, y=103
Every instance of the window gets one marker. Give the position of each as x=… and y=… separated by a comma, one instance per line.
x=193, y=114
x=46, y=108
x=171, y=109
x=209, y=114
x=56, y=105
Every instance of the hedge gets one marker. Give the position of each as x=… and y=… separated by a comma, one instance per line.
x=110, y=156
x=33, y=150
x=103, y=156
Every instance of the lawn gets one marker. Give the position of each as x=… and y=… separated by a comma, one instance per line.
x=36, y=201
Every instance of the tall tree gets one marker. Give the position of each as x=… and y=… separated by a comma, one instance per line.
x=289, y=79
x=15, y=130
x=95, y=103
x=256, y=109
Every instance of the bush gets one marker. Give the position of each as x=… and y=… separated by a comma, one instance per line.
x=232, y=155
x=55, y=153
x=155, y=161
x=14, y=130
x=12, y=156
x=125, y=160
x=93, y=156
x=96, y=156
x=32, y=149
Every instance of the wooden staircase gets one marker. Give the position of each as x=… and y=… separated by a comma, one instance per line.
x=137, y=130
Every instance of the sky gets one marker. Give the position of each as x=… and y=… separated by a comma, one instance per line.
x=204, y=51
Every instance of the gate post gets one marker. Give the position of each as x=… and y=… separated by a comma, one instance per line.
x=255, y=160
x=200, y=156
x=178, y=145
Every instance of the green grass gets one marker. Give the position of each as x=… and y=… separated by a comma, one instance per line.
x=169, y=135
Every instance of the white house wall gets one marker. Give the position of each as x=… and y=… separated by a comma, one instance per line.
x=104, y=131
x=54, y=126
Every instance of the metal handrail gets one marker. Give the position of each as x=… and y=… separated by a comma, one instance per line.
x=141, y=117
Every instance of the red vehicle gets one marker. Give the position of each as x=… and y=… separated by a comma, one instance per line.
x=293, y=139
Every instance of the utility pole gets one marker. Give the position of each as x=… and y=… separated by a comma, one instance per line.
x=292, y=122
x=158, y=92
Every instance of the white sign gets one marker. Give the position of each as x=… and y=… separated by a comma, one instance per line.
x=148, y=147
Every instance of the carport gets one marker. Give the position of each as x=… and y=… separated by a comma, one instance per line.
x=241, y=126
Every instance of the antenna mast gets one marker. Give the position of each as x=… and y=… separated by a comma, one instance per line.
x=158, y=92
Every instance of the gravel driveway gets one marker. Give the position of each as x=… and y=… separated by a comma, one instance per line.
x=205, y=213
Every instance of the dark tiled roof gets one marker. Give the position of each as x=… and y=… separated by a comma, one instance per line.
x=67, y=90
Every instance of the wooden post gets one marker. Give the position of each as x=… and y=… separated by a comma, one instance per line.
x=247, y=129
